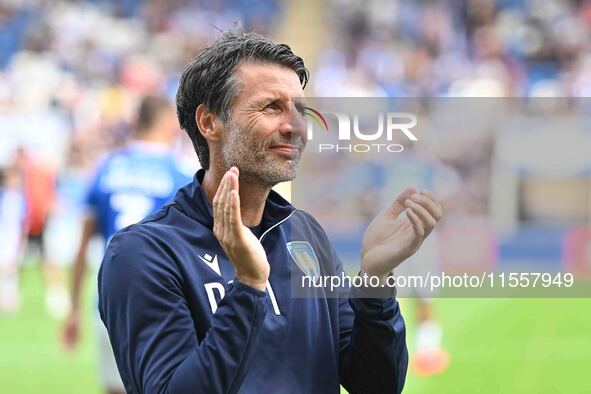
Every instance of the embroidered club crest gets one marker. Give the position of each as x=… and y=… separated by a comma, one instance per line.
x=303, y=255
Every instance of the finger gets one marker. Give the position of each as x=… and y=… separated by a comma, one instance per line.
x=226, y=209
x=429, y=204
x=219, y=207
x=433, y=197
x=216, y=197
x=216, y=203
x=232, y=184
x=428, y=220
x=217, y=192
x=398, y=205
x=233, y=179
x=233, y=209
x=235, y=169
x=416, y=223
x=235, y=215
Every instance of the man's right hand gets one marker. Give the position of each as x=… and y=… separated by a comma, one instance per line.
x=240, y=245
x=71, y=332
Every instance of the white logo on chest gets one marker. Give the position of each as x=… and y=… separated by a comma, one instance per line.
x=212, y=263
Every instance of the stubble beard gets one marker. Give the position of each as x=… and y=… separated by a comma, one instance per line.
x=255, y=162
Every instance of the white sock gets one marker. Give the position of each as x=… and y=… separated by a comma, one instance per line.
x=57, y=302
x=429, y=334
x=9, y=294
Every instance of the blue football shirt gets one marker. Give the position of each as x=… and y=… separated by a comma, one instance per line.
x=133, y=183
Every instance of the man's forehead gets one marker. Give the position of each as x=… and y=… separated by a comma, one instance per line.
x=272, y=81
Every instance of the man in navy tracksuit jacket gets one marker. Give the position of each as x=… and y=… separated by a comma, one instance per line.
x=197, y=298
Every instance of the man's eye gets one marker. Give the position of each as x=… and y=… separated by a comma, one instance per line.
x=272, y=106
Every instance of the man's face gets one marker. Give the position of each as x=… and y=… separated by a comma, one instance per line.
x=266, y=135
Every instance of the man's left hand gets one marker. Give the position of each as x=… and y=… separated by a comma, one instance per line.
x=392, y=237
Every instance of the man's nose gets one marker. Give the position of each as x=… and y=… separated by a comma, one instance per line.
x=293, y=123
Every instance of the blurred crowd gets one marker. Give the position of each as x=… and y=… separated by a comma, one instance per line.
x=476, y=48
x=456, y=48
x=73, y=72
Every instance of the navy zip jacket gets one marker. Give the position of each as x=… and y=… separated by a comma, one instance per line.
x=179, y=323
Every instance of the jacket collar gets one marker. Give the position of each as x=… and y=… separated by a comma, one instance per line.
x=192, y=200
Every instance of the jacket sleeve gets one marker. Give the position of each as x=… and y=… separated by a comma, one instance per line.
x=373, y=355
x=153, y=333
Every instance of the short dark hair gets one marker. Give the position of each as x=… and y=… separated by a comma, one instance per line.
x=210, y=79
x=150, y=109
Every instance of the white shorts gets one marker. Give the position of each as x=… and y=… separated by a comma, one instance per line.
x=109, y=374
x=11, y=229
x=62, y=237
x=10, y=249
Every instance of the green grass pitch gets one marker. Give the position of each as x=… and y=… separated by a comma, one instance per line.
x=496, y=346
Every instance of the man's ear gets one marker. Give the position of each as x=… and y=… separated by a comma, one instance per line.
x=210, y=126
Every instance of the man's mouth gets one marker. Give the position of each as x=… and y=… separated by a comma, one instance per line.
x=289, y=150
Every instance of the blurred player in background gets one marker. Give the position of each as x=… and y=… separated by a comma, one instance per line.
x=39, y=185
x=12, y=237
x=129, y=185
x=421, y=169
